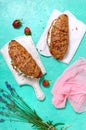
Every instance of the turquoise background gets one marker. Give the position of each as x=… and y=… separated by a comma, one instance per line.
x=35, y=14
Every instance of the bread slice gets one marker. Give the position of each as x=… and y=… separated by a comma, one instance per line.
x=22, y=61
x=58, y=37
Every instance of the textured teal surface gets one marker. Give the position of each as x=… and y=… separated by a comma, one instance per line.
x=35, y=14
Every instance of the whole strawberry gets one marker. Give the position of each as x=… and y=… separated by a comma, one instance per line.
x=45, y=83
x=27, y=31
x=16, y=23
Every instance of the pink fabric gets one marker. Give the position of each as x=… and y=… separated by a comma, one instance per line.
x=72, y=86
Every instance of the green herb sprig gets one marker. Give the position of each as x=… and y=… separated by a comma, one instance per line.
x=15, y=108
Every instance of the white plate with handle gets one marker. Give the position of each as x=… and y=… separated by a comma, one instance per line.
x=27, y=42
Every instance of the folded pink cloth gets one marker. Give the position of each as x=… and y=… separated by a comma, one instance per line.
x=72, y=86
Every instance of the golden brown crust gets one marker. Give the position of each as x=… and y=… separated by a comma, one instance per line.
x=58, y=37
x=23, y=61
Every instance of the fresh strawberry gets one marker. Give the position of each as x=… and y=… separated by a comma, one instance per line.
x=45, y=83
x=16, y=23
x=27, y=31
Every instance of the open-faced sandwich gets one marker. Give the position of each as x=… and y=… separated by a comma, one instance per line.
x=58, y=37
x=22, y=60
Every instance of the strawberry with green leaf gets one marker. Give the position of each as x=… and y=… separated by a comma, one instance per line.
x=27, y=31
x=16, y=23
x=45, y=83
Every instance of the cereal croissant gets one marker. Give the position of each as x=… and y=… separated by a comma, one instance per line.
x=22, y=61
x=58, y=37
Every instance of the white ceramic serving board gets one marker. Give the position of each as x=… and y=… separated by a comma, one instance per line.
x=28, y=43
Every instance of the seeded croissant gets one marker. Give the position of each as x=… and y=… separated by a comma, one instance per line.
x=22, y=61
x=58, y=37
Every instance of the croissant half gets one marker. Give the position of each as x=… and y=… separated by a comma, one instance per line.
x=58, y=37
x=23, y=61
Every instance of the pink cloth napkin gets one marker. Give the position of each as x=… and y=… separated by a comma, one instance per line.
x=72, y=86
